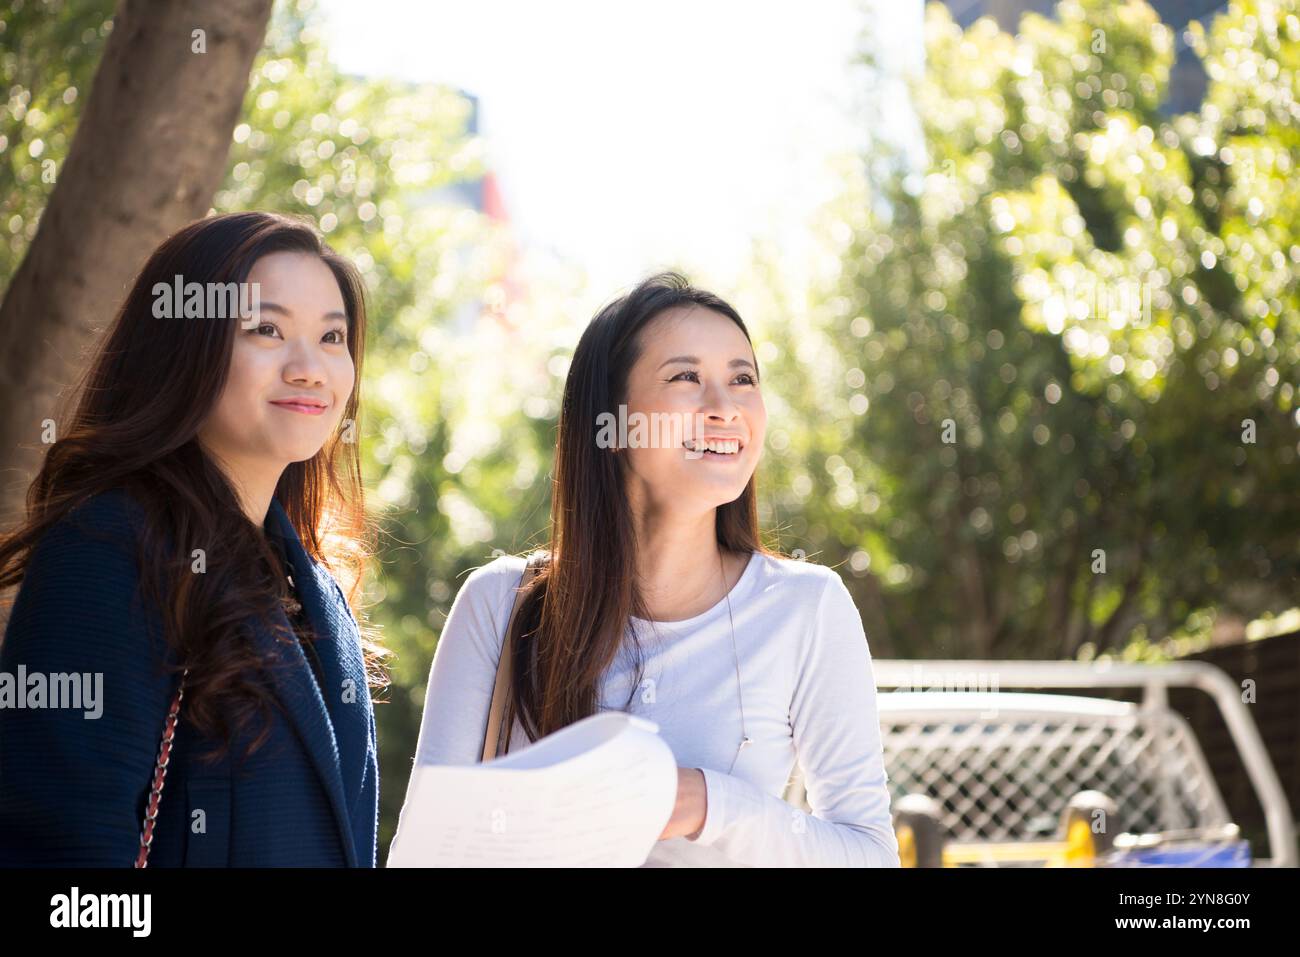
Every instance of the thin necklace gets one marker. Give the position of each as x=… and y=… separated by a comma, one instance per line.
x=744, y=736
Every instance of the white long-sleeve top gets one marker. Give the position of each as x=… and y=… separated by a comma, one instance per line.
x=809, y=695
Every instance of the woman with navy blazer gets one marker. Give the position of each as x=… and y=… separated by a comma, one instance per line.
x=178, y=548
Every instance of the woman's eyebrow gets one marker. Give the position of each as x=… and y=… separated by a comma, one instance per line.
x=734, y=363
x=276, y=307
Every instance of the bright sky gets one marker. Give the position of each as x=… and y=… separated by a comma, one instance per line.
x=629, y=136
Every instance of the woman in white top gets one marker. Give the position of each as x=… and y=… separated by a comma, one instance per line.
x=658, y=599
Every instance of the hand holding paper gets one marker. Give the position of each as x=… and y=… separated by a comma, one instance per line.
x=595, y=794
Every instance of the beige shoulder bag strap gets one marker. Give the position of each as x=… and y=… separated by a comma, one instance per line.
x=492, y=736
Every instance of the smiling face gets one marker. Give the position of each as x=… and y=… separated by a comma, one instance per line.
x=697, y=366
x=291, y=375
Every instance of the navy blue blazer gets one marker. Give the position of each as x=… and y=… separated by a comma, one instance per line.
x=73, y=788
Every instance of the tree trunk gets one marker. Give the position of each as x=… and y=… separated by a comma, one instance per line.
x=149, y=153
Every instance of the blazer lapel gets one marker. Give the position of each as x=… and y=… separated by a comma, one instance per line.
x=309, y=711
x=347, y=693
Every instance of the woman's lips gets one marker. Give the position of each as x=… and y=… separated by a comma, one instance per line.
x=300, y=407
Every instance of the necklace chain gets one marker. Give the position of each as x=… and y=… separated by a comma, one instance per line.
x=744, y=736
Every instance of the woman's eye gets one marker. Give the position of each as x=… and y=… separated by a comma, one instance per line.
x=341, y=336
x=749, y=379
x=265, y=325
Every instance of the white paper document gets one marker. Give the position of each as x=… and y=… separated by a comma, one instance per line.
x=595, y=794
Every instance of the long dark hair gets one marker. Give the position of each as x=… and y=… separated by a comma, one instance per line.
x=573, y=617
x=147, y=391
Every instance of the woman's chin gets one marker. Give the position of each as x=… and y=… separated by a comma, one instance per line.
x=300, y=453
x=714, y=491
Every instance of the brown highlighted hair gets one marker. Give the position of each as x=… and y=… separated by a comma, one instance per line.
x=151, y=385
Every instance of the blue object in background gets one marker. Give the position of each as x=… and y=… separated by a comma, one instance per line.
x=1190, y=854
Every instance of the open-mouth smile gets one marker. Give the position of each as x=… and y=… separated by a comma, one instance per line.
x=715, y=448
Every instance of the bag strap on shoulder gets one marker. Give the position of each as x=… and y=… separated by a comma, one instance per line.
x=493, y=746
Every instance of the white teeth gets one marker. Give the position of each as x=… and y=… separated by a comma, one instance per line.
x=724, y=446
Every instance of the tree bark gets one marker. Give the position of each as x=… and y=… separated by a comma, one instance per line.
x=149, y=153
x=1113, y=629
x=879, y=635
x=1061, y=587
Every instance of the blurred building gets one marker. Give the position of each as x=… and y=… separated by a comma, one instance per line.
x=1187, y=79
x=482, y=194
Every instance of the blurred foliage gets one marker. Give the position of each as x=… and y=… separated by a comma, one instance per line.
x=1058, y=339
x=48, y=53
